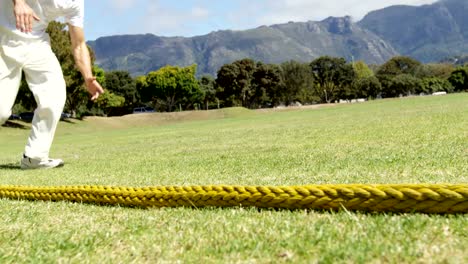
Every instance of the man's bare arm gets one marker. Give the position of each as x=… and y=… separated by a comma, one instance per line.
x=24, y=15
x=83, y=61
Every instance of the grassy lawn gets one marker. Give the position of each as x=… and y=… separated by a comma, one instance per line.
x=411, y=140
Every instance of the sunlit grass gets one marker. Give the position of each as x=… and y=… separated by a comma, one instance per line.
x=411, y=140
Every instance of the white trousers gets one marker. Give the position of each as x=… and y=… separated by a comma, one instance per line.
x=45, y=80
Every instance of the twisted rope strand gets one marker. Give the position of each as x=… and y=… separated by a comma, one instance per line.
x=423, y=198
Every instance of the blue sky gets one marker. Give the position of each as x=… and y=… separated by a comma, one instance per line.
x=199, y=17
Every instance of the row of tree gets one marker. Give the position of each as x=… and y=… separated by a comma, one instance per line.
x=248, y=83
x=254, y=84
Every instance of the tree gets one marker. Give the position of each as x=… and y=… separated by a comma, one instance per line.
x=369, y=87
x=297, y=82
x=108, y=100
x=365, y=85
x=438, y=70
x=266, y=84
x=459, y=79
x=122, y=84
x=235, y=81
x=402, y=84
x=332, y=75
x=171, y=85
x=100, y=74
x=142, y=88
x=433, y=84
x=362, y=70
x=399, y=65
x=208, y=88
x=327, y=92
x=397, y=74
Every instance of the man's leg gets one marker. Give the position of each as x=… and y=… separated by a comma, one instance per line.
x=45, y=79
x=10, y=78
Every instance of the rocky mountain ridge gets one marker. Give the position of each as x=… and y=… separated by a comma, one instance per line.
x=428, y=33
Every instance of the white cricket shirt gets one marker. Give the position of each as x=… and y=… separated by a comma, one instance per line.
x=47, y=10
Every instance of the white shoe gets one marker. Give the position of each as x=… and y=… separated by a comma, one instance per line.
x=32, y=164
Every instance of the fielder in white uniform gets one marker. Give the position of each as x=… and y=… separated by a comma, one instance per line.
x=25, y=47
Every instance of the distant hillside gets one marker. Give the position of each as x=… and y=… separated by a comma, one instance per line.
x=305, y=41
x=428, y=33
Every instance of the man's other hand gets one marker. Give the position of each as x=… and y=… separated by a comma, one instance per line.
x=94, y=88
x=25, y=16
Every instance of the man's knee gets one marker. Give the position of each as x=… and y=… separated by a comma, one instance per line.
x=51, y=107
x=60, y=94
x=49, y=112
x=54, y=98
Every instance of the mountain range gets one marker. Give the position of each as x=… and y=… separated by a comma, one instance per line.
x=428, y=33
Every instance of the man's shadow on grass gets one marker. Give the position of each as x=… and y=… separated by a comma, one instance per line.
x=68, y=120
x=12, y=124
x=10, y=166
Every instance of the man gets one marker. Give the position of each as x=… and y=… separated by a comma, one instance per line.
x=25, y=47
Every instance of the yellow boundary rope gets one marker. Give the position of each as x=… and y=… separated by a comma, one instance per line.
x=423, y=198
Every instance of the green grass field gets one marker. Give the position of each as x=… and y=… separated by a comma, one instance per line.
x=410, y=140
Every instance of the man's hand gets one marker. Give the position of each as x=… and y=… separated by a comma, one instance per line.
x=94, y=88
x=25, y=16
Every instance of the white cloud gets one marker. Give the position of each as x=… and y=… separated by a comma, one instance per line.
x=196, y=17
x=122, y=4
x=163, y=19
x=200, y=12
x=280, y=11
